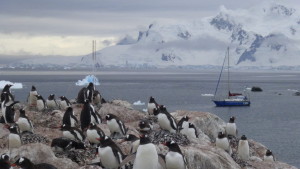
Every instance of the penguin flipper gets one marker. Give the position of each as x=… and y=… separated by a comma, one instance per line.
x=161, y=161
x=129, y=158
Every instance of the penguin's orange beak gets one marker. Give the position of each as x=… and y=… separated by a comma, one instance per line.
x=13, y=165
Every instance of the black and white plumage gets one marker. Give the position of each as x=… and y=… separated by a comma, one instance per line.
x=85, y=115
x=24, y=123
x=135, y=142
x=40, y=103
x=72, y=133
x=8, y=112
x=145, y=126
x=6, y=89
x=69, y=118
x=86, y=93
x=115, y=125
x=223, y=143
x=63, y=144
x=14, y=138
x=110, y=154
x=165, y=120
x=174, y=158
x=93, y=133
x=4, y=161
x=97, y=98
x=95, y=116
x=151, y=105
x=183, y=123
x=269, y=156
x=25, y=163
x=64, y=103
x=230, y=128
x=51, y=102
x=31, y=99
x=190, y=132
x=243, y=148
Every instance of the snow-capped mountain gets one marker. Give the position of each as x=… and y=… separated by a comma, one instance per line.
x=265, y=35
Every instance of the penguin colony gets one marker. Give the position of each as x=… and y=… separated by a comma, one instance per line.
x=86, y=133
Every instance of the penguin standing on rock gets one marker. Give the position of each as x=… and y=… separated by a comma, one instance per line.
x=135, y=142
x=4, y=161
x=223, y=143
x=110, y=154
x=115, y=125
x=97, y=98
x=94, y=132
x=145, y=126
x=69, y=119
x=174, y=158
x=85, y=115
x=7, y=90
x=95, y=117
x=269, y=156
x=8, y=112
x=243, y=148
x=25, y=163
x=31, y=99
x=64, y=102
x=231, y=127
x=86, y=93
x=24, y=123
x=40, y=103
x=51, y=102
x=151, y=105
x=14, y=138
x=190, y=132
x=72, y=133
x=165, y=120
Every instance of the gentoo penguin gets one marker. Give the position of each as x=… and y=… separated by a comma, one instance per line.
x=165, y=120
x=151, y=105
x=95, y=116
x=135, y=142
x=269, y=156
x=69, y=119
x=145, y=126
x=31, y=99
x=25, y=163
x=8, y=111
x=223, y=143
x=14, y=139
x=86, y=93
x=183, y=123
x=4, y=161
x=97, y=98
x=63, y=144
x=243, y=148
x=190, y=132
x=110, y=154
x=7, y=90
x=115, y=125
x=24, y=123
x=94, y=132
x=174, y=158
x=85, y=115
x=51, y=102
x=72, y=133
x=40, y=103
x=230, y=128
x=64, y=102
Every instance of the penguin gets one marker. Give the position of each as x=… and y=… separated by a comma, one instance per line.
x=94, y=132
x=135, y=142
x=243, y=148
x=40, y=103
x=151, y=105
x=31, y=99
x=51, y=102
x=165, y=120
x=63, y=144
x=230, y=128
x=174, y=158
x=86, y=93
x=223, y=143
x=72, y=133
x=183, y=123
x=64, y=102
x=25, y=163
x=145, y=126
x=269, y=156
x=69, y=119
x=7, y=90
x=85, y=115
x=8, y=112
x=97, y=98
x=110, y=154
x=14, y=139
x=4, y=161
x=95, y=116
x=115, y=125
x=24, y=123
x=190, y=132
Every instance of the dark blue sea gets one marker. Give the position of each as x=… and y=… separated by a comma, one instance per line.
x=273, y=118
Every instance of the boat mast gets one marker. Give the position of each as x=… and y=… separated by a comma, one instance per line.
x=228, y=72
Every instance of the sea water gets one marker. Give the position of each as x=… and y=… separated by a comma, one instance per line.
x=273, y=118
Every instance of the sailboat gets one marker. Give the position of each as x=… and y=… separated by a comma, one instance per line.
x=232, y=99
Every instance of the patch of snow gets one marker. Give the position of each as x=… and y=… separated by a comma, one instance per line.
x=138, y=103
x=15, y=85
x=293, y=90
x=210, y=95
x=145, y=110
x=87, y=80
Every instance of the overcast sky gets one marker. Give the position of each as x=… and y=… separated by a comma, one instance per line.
x=67, y=27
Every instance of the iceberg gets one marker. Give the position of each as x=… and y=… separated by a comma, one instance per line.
x=138, y=103
x=15, y=85
x=87, y=80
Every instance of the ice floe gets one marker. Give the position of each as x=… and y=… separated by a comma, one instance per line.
x=15, y=85
x=87, y=80
x=138, y=103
